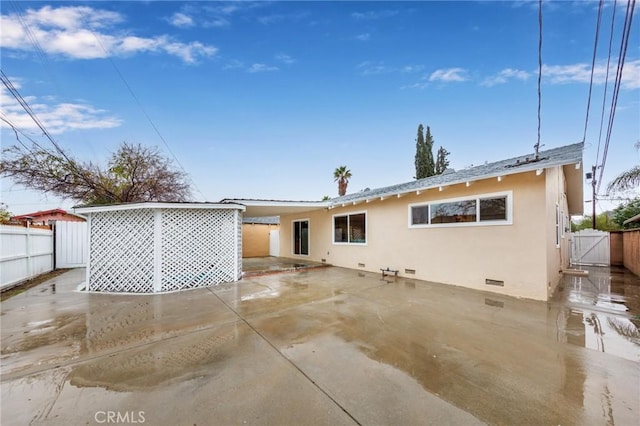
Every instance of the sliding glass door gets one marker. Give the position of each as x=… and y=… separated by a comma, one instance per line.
x=301, y=237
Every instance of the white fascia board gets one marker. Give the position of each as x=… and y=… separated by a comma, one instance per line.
x=280, y=203
x=135, y=206
x=506, y=172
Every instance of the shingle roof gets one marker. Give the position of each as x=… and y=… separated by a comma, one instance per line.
x=266, y=220
x=569, y=154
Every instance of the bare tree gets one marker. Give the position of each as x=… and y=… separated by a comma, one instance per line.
x=134, y=173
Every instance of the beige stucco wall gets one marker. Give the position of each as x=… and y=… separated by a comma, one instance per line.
x=464, y=256
x=255, y=239
x=557, y=255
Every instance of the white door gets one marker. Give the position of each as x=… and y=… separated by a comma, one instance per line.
x=71, y=244
x=590, y=247
x=274, y=243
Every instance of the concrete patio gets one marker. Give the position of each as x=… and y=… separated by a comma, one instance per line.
x=321, y=346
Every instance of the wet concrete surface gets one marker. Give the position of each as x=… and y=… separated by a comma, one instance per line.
x=256, y=266
x=323, y=346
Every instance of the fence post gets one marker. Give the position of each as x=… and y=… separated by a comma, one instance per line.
x=28, y=249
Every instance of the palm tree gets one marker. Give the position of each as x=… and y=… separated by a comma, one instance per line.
x=342, y=176
x=628, y=179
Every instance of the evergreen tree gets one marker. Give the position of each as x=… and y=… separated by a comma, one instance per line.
x=420, y=154
x=441, y=161
x=430, y=169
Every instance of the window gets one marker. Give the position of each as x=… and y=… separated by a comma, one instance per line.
x=493, y=208
x=486, y=209
x=350, y=229
x=457, y=211
x=420, y=215
x=301, y=237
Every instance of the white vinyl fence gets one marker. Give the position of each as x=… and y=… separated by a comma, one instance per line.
x=24, y=253
x=71, y=244
x=590, y=247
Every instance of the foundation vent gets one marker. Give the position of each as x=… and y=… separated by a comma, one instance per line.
x=323, y=260
x=496, y=303
x=489, y=281
x=360, y=265
x=410, y=271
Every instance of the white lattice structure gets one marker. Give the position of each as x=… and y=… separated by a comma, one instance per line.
x=163, y=247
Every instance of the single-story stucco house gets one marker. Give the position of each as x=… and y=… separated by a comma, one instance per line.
x=501, y=227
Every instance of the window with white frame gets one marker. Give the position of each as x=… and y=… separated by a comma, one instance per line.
x=350, y=228
x=485, y=209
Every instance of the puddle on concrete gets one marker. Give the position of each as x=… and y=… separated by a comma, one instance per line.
x=572, y=361
x=183, y=358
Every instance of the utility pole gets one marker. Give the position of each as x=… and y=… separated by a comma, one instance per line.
x=593, y=198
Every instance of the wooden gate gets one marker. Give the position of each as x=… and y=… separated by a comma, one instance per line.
x=590, y=247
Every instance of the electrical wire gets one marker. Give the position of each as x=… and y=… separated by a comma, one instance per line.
x=27, y=108
x=593, y=66
x=537, y=145
x=606, y=79
x=16, y=130
x=624, y=43
x=144, y=112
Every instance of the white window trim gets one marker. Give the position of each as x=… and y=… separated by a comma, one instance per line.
x=366, y=228
x=293, y=236
x=478, y=197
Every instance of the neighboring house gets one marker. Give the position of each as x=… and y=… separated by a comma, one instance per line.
x=501, y=227
x=257, y=234
x=47, y=217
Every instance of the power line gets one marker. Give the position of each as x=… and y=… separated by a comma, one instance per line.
x=144, y=112
x=624, y=43
x=606, y=79
x=537, y=145
x=14, y=92
x=16, y=130
x=593, y=66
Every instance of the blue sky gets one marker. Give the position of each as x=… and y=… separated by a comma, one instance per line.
x=266, y=99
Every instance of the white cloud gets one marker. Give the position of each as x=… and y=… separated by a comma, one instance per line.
x=418, y=86
x=371, y=68
x=181, y=20
x=412, y=68
x=505, y=75
x=233, y=64
x=363, y=37
x=285, y=58
x=448, y=75
x=581, y=73
x=80, y=32
x=374, y=14
x=217, y=22
x=261, y=68
x=56, y=118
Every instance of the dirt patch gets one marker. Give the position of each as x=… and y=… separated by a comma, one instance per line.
x=21, y=288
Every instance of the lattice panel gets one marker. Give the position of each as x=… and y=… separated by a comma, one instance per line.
x=121, y=251
x=239, y=245
x=199, y=248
